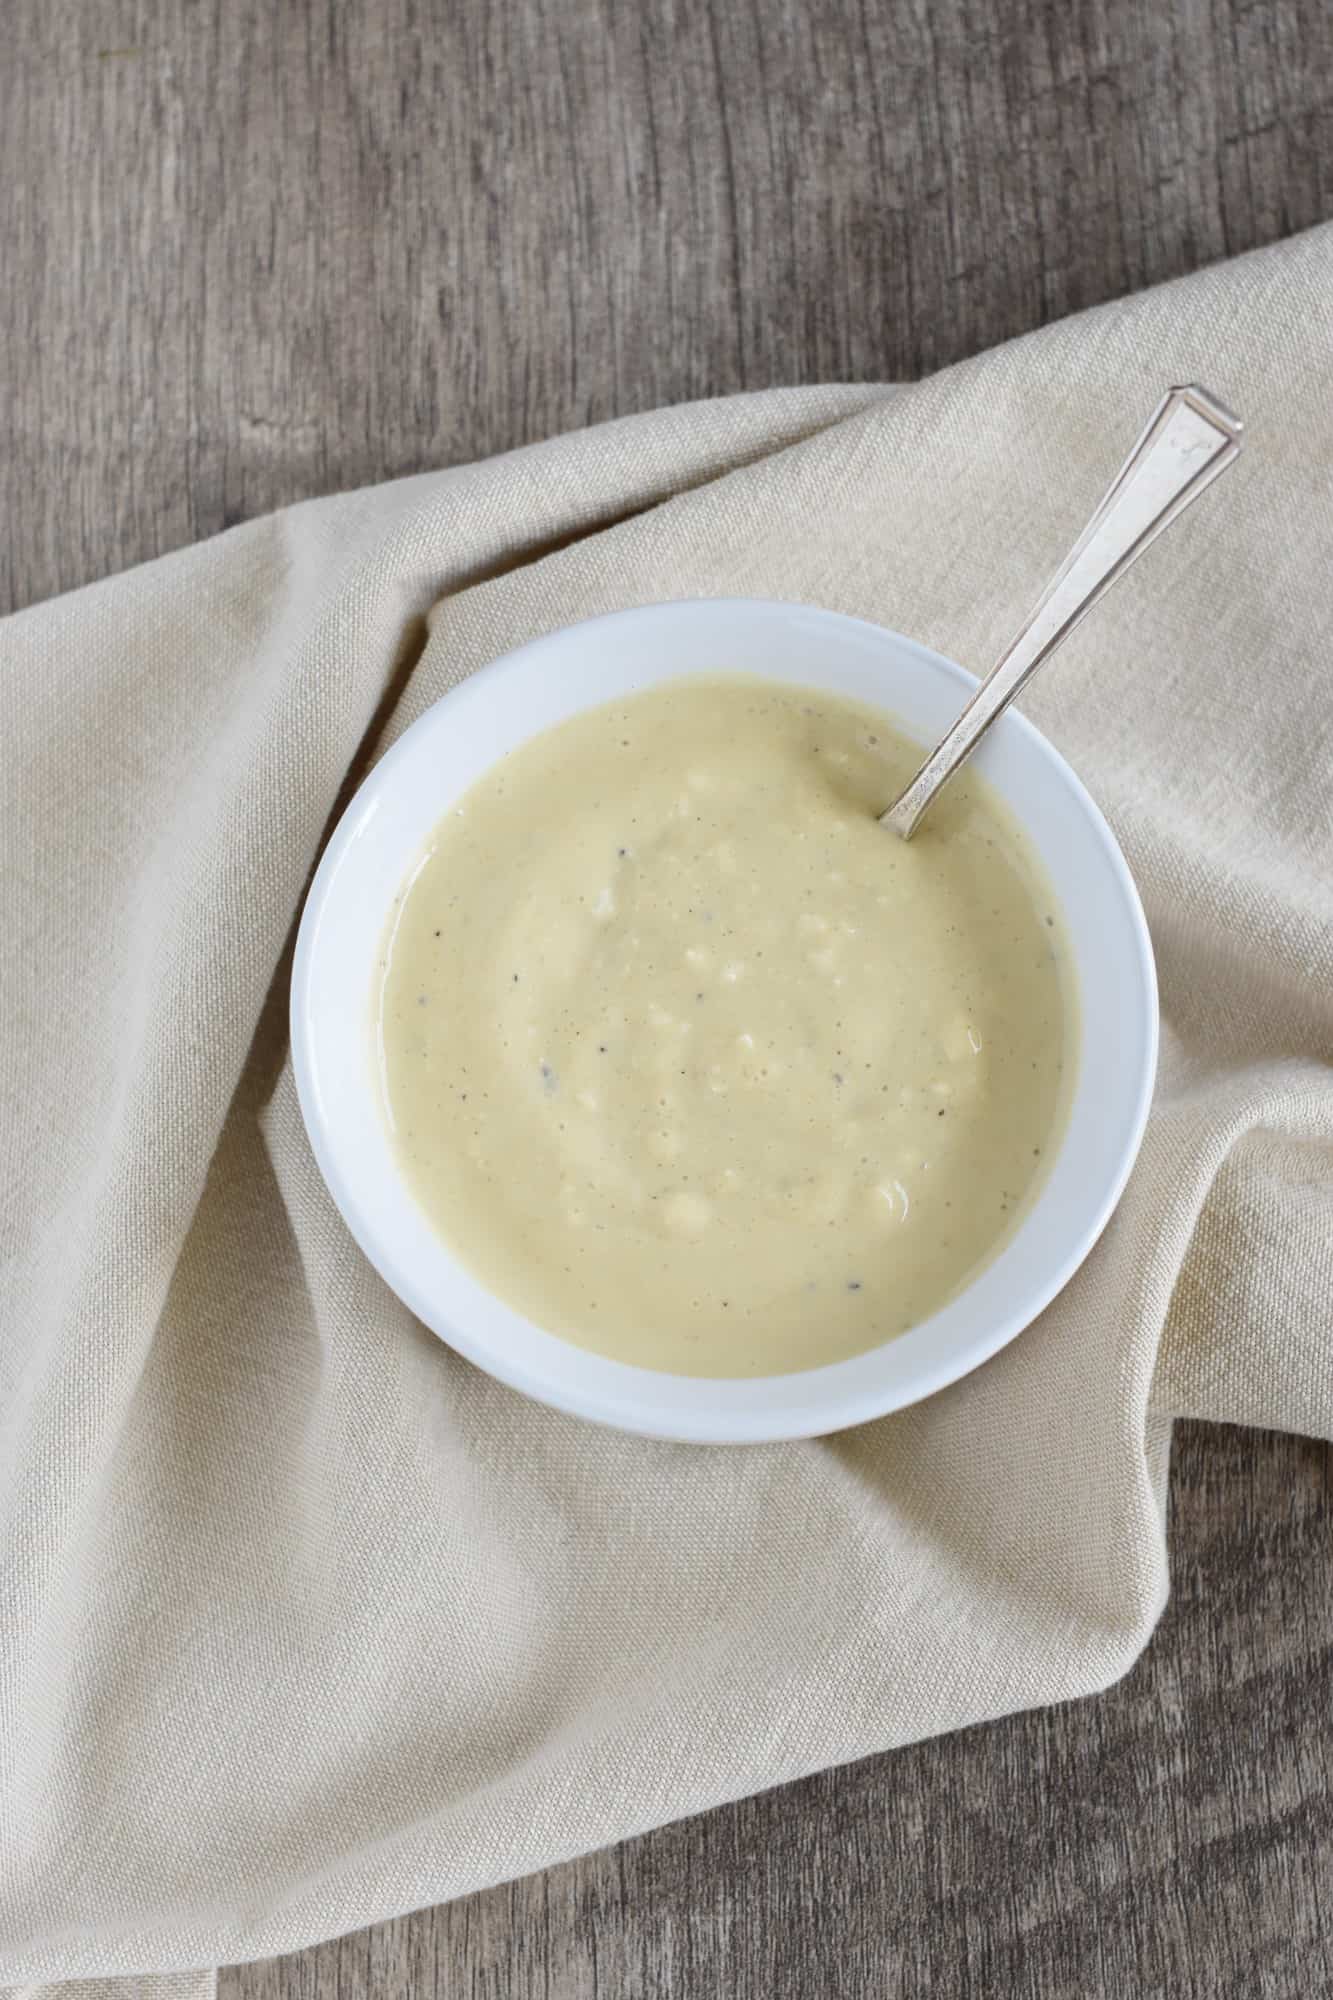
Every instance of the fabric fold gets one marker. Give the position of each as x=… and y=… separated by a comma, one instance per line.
x=305, y=1622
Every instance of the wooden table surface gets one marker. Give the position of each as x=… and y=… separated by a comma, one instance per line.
x=256, y=250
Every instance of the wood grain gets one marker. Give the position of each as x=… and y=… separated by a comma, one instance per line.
x=257, y=252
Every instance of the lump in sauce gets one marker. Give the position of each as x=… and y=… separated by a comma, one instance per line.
x=694, y=1063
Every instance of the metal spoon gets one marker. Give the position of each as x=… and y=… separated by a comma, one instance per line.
x=1190, y=439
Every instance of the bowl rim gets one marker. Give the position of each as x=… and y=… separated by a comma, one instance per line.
x=627, y=1404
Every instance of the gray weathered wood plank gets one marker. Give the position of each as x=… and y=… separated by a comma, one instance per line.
x=255, y=253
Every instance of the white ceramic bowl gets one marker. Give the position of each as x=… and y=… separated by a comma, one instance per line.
x=447, y=749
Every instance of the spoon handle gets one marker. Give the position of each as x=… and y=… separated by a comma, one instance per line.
x=1190, y=438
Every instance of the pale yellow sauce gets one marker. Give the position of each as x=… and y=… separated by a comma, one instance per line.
x=697, y=1065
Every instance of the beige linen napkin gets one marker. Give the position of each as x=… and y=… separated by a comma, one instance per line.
x=305, y=1622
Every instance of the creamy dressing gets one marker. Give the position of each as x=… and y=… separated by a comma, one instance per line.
x=692, y=1062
